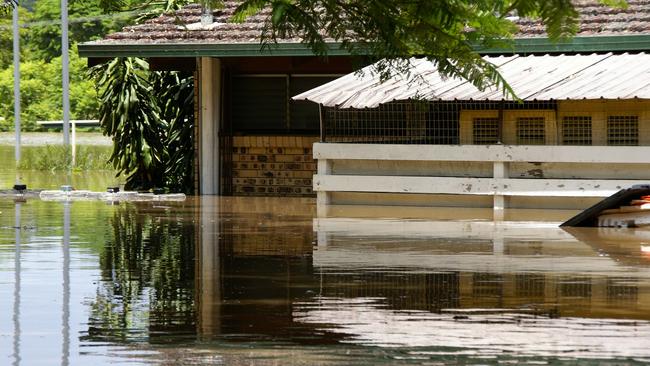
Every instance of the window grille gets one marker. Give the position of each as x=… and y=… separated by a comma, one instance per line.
x=485, y=131
x=623, y=130
x=531, y=131
x=417, y=122
x=576, y=130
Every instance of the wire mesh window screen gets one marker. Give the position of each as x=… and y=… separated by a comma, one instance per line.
x=485, y=131
x=531, y=131
x=623, y=130
x=442, y=123
x=403, y=122
x=576, y=130
x=435, y=122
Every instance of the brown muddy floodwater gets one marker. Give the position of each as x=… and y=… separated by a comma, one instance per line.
x=257, y=281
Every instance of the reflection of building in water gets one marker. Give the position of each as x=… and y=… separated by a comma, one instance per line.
x=263, y=226
x=254, y=262
x=483, y=265
x=564, y=295
x=242, y=270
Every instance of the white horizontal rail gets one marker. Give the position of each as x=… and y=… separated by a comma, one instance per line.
x=488, y=230
x=485, y=153
x=474, y=186
x=77, y=122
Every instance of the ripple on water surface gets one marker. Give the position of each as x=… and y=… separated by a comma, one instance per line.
x=240, y=281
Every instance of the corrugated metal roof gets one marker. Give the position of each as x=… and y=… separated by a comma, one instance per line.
x=545, y=77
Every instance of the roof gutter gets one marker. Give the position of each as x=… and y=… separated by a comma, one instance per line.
x=522, y=46
x=204, y=50
x=584, y=44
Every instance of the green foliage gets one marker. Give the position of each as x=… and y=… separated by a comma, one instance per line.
x=446, y=31
x=6, y=6
x=149, y=116
x=130, y=115
x=41, y=63
x=44, y=41
x=148, y=255
x=55, y=158
x=41, y=93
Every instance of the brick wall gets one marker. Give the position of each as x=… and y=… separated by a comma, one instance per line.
x=273, y=165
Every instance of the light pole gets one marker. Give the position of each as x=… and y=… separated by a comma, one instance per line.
x=16, y=35
x=65, y=72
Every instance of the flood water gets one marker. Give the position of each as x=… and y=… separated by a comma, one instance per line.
x=260, y=281
x=96, y=180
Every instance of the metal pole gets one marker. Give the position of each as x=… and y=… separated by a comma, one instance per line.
x=65, y=72
x=16, y=35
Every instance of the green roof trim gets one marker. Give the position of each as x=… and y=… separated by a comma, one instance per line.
x=614, y=43
x=203, y=50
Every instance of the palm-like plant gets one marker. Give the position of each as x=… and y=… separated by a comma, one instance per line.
x=149, y=116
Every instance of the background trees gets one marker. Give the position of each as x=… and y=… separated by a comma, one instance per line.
x=41, y=64
x=447, y=32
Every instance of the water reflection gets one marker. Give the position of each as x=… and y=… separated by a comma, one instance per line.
x=17, y=280
x=258, y=281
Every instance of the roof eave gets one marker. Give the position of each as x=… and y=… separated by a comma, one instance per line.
x=583, y=44
x=103, y=50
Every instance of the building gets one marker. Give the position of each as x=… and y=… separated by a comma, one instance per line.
x=254, y=140
x=581, y=131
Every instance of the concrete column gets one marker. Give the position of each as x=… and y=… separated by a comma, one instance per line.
x=500, y=171
x=323, y=197
x=209, y=124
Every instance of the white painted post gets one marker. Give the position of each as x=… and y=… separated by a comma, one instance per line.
x=74, y=142
x=323, y=197
x=210, y=121
x=499, y=172
x=498, y=242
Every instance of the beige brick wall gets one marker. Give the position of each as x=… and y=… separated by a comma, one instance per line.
x=273, y=165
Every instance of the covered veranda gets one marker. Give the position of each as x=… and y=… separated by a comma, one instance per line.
x=580, y=131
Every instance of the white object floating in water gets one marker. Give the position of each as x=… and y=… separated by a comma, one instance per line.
x=82, y=195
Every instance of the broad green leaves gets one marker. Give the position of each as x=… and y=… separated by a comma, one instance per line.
x=149, y=116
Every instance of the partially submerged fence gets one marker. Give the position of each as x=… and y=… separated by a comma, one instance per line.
x=500, y=154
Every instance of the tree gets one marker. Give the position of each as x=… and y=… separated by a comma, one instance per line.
x=130, y=115
x=447, y=32
x=44, y=41
x=41, y=92
x=6, y=6
x=149, y=116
